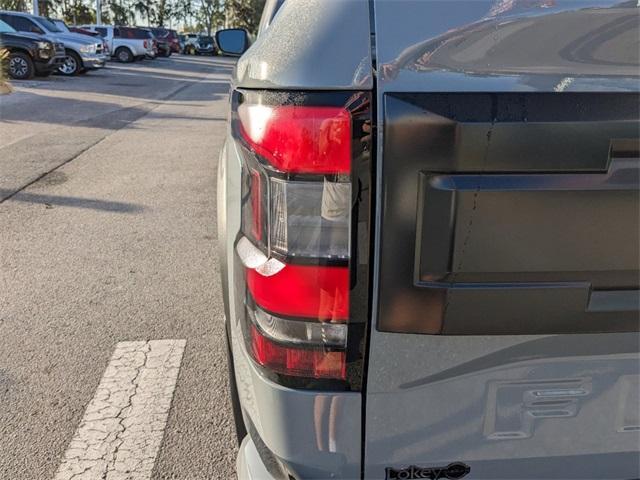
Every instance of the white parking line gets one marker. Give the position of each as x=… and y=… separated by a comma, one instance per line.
x=121, y=431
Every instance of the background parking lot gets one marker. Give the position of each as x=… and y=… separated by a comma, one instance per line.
x=107, y=235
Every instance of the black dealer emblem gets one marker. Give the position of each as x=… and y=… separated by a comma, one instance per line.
x=452, y=471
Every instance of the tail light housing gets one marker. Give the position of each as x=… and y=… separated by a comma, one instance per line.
x=305, y=220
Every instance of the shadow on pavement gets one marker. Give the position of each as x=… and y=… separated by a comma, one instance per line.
x=75, y=202
x=58, y=110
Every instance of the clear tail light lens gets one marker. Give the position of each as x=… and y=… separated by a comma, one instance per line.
x=299, y=333
x=297, y=218
x=311, y=219
x=297, y=227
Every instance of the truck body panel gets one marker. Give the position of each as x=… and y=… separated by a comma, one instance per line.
x=505, y=339
x=503, y=336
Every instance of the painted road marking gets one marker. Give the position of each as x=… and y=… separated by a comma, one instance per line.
x=121, y=431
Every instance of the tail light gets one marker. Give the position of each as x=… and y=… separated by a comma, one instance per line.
x=305, y=165
x=146, y=44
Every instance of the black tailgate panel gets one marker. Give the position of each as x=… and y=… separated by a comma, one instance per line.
x=521, y=211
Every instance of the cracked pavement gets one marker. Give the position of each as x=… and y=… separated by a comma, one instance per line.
x=122, y=428
x=113, y=250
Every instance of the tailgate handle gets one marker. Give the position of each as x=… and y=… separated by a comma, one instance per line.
x=614, y=301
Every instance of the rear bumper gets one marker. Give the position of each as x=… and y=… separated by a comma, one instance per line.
x=249, y=465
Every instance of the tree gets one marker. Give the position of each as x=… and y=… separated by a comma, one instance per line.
x=211, y=14
x=145, y=8
x=183, y=12
x=45, y=8
x=121, y=13
x=164, y=11
x=17, y=5
x=74, y=11
x=207, y=15
x=245, y=13
x=80, y=13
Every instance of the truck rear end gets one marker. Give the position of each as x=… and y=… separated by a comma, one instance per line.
x=431, y=240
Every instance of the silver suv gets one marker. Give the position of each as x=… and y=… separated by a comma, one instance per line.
x=82, y=51
x=429, y=232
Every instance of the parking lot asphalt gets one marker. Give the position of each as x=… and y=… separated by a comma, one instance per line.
x=108, y=244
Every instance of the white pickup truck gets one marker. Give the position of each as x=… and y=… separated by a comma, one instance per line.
x=124, y=42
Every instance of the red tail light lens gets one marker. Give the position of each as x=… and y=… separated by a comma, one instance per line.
x=296, y=233
x=320, y=292
x=297, y=361
x=299, y=139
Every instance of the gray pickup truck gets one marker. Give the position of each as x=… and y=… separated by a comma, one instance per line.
x=83, y=52
x=429, y=230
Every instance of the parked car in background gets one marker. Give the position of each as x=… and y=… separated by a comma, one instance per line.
x=429, y=231
x=206, y=45
x=155, y=53
x=190, y=43
x=29, y=54
x=145, y=32
x=124, y=43
x=160, y=43
x=164, y=47
x=81, y=30
x=82, y=53
x=66, y=28
x=174, y=41
x=164, y=43
x=182, y=41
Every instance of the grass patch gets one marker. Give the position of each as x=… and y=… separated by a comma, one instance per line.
x=5, y=86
